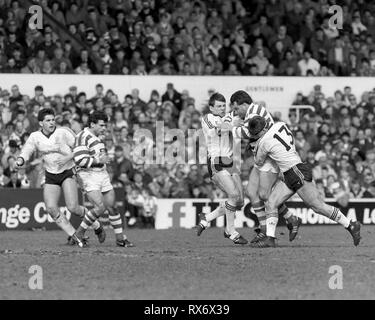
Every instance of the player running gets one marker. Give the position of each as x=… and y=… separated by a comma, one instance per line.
x=55, y=146
x=277, y=142
x=91, y=157
x=222, y=168
x=263, y=177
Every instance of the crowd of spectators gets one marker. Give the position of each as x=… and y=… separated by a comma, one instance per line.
x=337, y=139
x=189, y=37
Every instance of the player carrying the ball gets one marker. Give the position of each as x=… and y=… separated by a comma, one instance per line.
x=91, y=156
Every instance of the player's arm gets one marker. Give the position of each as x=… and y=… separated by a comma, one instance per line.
x=27, y=151
x=260, y=153
x=83, y=158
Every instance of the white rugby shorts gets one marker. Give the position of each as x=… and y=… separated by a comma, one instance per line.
x=94, y=181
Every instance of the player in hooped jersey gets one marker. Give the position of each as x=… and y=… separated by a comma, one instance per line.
x=262, y=178
x=223, y=168
x=55, y=146
x=91, y=156
x=277, y=143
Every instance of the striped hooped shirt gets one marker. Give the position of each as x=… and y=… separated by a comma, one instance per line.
x=87, y=148
x=253, y=111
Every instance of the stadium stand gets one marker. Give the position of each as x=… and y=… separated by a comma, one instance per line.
x=277, y=37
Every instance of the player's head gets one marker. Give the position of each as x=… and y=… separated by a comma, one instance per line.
x=257, y=127
x=46, y=118
x=217, y=104
x=240, y=102
x=98, y=122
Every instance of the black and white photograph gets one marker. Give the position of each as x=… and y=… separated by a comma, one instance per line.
x=187, y=153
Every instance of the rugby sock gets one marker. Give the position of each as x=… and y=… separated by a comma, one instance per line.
x=116, y=224
x=88, y=220
x=285, y=213
x=218, y=212
x=259, y=210
x=271, y=222
x=64, y=224
x=339, y=217
x=230, y=213
x=96, y=224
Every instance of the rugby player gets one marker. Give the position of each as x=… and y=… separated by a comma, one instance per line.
x=223, y=169
x=55, y=147
x=91, y=156
x=262, y=178
x=277, y=142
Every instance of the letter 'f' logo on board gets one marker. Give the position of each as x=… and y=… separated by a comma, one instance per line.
x=176, y=214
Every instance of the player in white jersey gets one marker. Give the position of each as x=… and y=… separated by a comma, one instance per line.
x=262, y=178
x=223, y=168
x=91, y=156
x=277, y=142
x=55, y=146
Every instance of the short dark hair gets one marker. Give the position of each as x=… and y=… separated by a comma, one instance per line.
x=241, y=97
x=45, y=112
x=256, y=125
x=96, y=116
x=216, y=97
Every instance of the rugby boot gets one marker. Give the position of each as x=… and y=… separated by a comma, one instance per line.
x=124, y=243
x=236, y=238
x=260, y=236
x=293, y=227
x=355, y=231
x=267, y=242
x=100, y=233
x=200, y=227
x=77, y=240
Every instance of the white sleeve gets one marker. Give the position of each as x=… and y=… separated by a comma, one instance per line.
x=29, y=148
x=69, y=137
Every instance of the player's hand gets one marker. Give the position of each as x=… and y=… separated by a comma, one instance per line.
x=62, y=161
x=104, y=158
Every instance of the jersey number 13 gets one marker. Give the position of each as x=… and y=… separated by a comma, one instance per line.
x=282, y=141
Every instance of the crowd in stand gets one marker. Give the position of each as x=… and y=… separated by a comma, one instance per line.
x=337, y=139
x=189, y=37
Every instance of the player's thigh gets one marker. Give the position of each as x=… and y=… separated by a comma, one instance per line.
x=267, y=179
x=280, y=194
x=225, y=182
x=70, y=191
x=109, y=198
x=311, y=196
x=253, y=185
x=51, y=195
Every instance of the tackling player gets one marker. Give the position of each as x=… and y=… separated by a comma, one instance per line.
x=222, y=168
x=55, y=146
x=263, y=177
x=277, y=142
x=91, y=157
